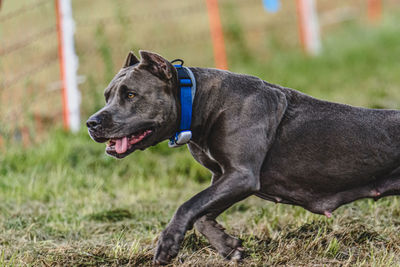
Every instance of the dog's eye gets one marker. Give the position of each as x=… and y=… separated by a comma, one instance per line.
x=131, y=95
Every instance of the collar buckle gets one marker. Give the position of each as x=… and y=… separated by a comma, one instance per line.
x=180, y=138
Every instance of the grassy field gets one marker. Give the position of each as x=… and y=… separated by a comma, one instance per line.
x=64, y=202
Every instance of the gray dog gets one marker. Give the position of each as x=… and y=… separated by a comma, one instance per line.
x=256, y=138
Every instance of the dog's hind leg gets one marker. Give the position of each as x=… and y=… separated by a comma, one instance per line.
x=228, y=246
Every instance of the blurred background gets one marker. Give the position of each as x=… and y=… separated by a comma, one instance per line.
x=60, y=186
x=257, y=42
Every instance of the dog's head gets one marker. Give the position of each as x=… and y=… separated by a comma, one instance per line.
x=141, y=107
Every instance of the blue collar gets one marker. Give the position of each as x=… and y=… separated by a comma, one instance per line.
x=187, y=90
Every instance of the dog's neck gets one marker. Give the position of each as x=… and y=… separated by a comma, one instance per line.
x=208, y=104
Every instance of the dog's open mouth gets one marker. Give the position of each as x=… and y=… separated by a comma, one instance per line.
x=121, y=145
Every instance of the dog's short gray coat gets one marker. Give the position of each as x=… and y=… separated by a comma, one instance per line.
x=257, y=139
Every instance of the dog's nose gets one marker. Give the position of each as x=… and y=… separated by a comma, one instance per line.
x=93, y=122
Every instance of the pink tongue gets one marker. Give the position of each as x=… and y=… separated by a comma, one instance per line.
x=121, y=145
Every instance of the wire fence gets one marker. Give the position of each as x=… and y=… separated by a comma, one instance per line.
x=28, y=57
x=30, y=95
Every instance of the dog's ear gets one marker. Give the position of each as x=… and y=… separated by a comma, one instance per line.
x=130, y=60
x=156, y=64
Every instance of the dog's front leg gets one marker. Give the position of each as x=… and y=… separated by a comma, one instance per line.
x=239, y=142
x=233, y=186
x=228, y=246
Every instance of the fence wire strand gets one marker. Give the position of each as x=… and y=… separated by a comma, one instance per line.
x=22, y=10
x=27, y=41
x=30, y=71
x=175, y=13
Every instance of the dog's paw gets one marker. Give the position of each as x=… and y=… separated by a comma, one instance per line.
x=232, y=249
x=167, y=247
x=237, y=254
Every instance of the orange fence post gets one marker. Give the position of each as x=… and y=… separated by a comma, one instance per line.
x=62, y=69
x=308, y=26
x=217, y=34
x=300, y=23
x=374, y=10
x=68, y=65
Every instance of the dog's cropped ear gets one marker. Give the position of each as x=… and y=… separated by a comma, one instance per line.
x=156, y=64
x=130, y=60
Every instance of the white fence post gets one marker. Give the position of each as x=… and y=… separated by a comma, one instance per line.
x=68, y=65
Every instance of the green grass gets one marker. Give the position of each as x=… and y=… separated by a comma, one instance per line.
x=64, y=202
